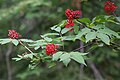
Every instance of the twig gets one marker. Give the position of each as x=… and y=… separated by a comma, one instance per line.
x=96, y=72
x=81, y=47
x=82, y=66
x=10, y=48
x=26, y=47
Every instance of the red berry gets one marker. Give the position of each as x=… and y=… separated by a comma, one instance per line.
x=51, y=49
x=70, y=23
x=77, y=14
x=71, y=15
x=109, y=7
x=13, y=34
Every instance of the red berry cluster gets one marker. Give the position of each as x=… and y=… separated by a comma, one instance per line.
x=71, y=15
x=51, y=49
x=13, y=34
x=109, y=7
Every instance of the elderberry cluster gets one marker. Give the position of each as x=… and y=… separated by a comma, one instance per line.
x=71, y=15
x=109, y=7
x=51, y=49
x=13, y=34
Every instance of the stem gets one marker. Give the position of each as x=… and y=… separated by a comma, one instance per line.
x=26, y=47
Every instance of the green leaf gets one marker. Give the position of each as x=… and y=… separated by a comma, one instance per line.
x=110, y=32
x=104, y=38
x=66, y=61
x=56, y=56
x=15, y=42
x=52, y=28
x=82, y=32
x=4, y=41
x=77, y=57
x=48, y=39
x=76, y=29
x=68, y=38
x=17, y=59
x=118, y=18
x=100, y=19
x=82, y=54
x=107, y=31
x=64, y=56
x=38, y=43
x=90, y=36
x=85, y=20
x=29, y=55
x=62, y=23
x=26, y=40
x=50, y=34
x=65, y=30
x=37, y=47
x=58, y=29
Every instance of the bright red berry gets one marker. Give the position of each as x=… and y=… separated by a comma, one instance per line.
x=109, y=7
x=71, y=15
x=51, y=49
x=77, y=14
x=13, y=34
x=70, y=23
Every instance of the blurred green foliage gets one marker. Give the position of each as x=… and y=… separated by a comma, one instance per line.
x=31, y=18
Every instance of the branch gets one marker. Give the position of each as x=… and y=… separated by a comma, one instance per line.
x=82, y=47
x=82, y=66
x=96, y=72
x=25, y=47
x=28, y=49
x=10, y=49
